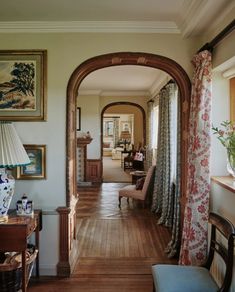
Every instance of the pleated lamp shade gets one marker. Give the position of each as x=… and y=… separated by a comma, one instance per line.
x=12, y=152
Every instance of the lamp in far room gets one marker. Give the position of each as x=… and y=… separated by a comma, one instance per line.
x=12, y=154
x=125, y=135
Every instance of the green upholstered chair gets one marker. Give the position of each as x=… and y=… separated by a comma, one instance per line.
x=176, y=278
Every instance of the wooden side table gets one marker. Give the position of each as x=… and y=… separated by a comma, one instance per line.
x=14, y=235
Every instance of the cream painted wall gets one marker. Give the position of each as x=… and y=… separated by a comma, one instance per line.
x=224, y=51
x=65, y=52
x=226, y=48
x=222, y=201
x=220, y=112
x=142, y=101
x=90, y=121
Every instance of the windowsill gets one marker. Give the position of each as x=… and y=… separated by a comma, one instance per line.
x=226, y=182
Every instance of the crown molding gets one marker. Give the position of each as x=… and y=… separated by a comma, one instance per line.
x=215, y=26
x=192, y=15
x=89, y=26
x=226, y=67
x=230, y=73
x=198, y=13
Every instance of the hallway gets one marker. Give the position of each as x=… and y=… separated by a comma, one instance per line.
x=116, y=247
x=114, y=172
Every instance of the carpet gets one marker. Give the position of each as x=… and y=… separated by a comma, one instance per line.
x=113, y=172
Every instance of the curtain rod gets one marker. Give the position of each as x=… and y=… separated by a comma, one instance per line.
x=227, y=30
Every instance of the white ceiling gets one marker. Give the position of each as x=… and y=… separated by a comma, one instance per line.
x=90, y=10
x=123, y=80
x=186, y=17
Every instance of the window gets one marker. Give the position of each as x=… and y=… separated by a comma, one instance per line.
x=154, y=135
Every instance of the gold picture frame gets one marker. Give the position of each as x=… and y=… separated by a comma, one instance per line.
x=23, y=85
x=37, y=168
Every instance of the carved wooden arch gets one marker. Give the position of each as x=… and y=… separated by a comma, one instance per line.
x=123, y=103
x=117, y=59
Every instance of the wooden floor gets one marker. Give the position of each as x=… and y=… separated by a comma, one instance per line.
x=116, y=247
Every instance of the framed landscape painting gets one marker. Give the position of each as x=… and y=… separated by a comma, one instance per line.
x=37, y=167
x=23, y=85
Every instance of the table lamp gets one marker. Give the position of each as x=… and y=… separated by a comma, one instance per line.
x=12, y=154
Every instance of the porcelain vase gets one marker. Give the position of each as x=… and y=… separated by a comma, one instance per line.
x=7, y=184
x=231, y=161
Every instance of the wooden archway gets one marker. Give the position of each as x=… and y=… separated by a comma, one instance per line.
x=117, y=59
x=114, y=59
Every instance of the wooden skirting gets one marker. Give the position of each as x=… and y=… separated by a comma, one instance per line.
x=94, y=170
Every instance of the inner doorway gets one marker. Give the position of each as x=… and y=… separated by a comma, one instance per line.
x=123, y=128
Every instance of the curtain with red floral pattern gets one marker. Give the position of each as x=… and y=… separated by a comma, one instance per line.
x=194, y=235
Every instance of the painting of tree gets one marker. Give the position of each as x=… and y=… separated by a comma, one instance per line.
x=17, y=85
x=23, y=85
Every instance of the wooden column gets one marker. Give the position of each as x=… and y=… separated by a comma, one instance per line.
x=63, y=266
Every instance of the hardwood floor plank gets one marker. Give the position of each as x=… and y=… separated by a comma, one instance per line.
x=117, y=247
x=95, y=284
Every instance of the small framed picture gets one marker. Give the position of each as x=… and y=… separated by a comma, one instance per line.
x=78, y=118
x=37, y=168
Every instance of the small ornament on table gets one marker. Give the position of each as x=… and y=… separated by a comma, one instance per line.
x=24, y=207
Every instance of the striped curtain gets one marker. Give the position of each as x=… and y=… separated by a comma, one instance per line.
x=167, y=176
x=173, y=247
x=162, y=186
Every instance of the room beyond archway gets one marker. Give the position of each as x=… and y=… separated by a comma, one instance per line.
x=111, y=151
x=117, y=59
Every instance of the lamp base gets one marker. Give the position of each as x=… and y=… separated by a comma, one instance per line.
x=7, y=184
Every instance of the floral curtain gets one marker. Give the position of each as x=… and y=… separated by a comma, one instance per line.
x=194, y=235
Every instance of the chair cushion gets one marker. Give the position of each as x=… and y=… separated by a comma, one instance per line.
x=174, y=278
x=140, y=183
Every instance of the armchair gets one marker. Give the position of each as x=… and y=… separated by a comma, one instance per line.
x=130, y=191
